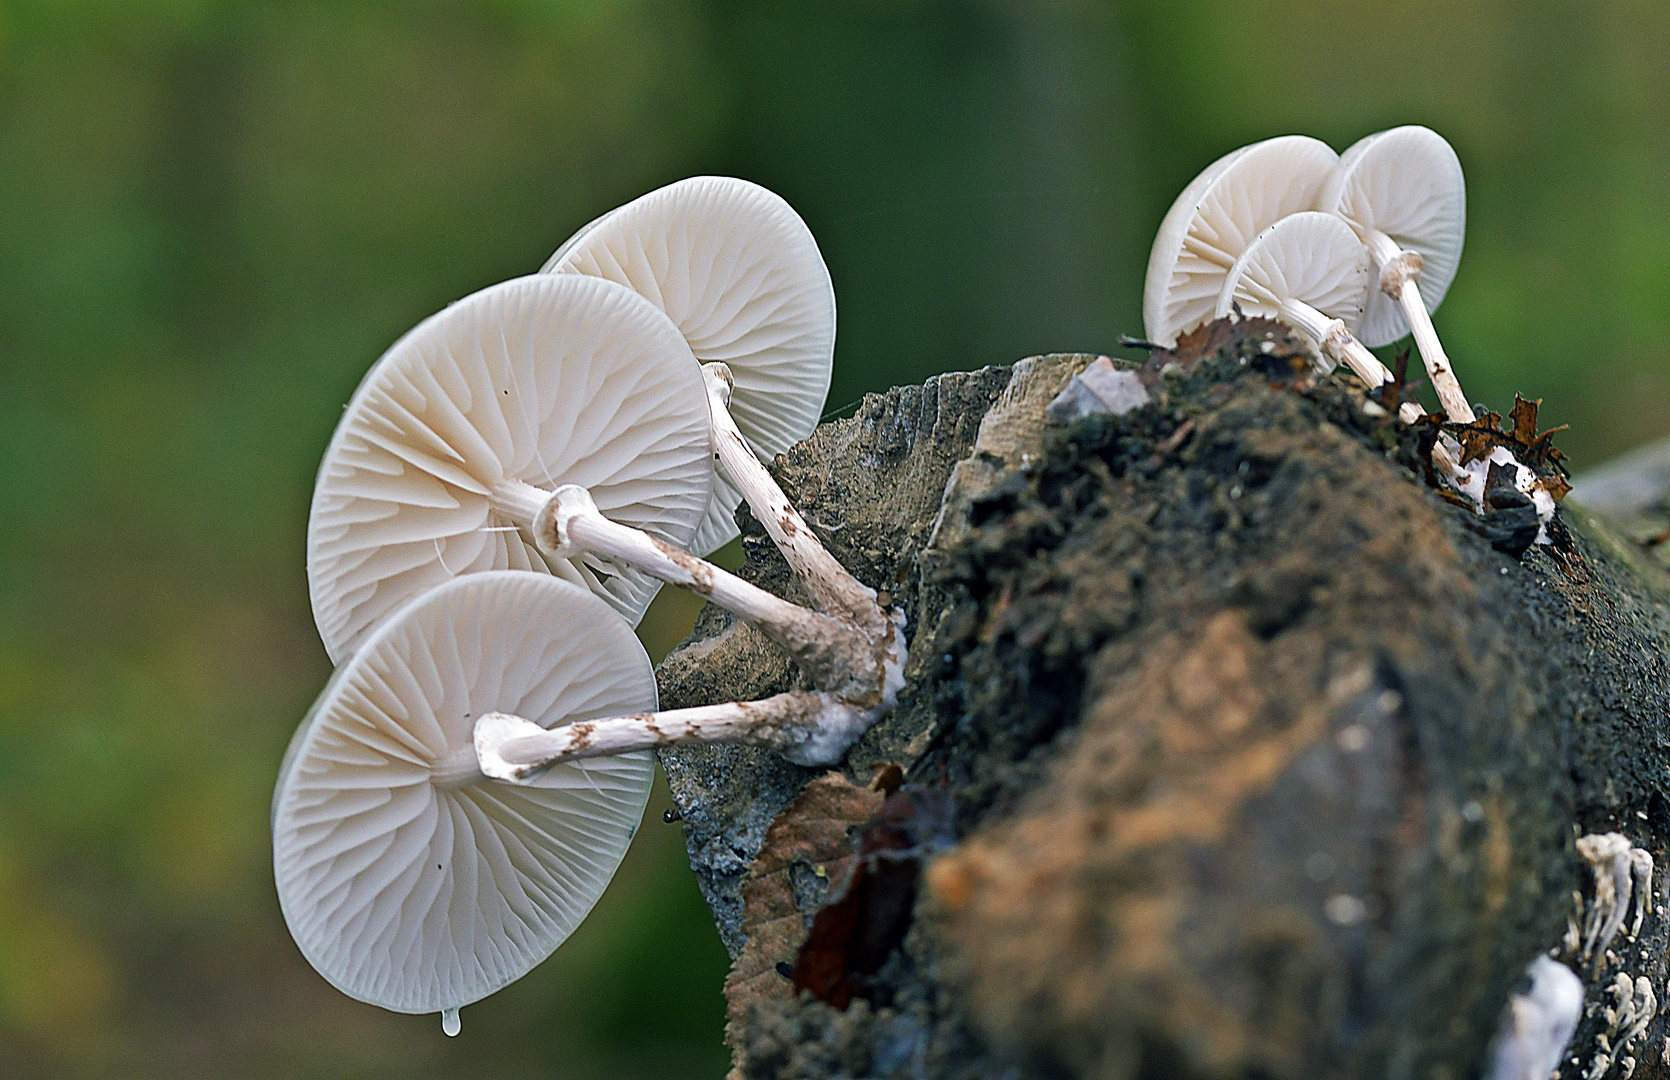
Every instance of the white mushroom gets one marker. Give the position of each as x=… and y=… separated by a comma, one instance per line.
x=1402, y=191
x=1204, y=241
x=410, y=880
x=528, y=404
x=1200, y=257
x=1216, y=217
x=437, y=465
x=1641, y=867
x=1608, y=857
x=806, y=727
x=865, y=670
x=1537, y=1023
x=739, y=273
x=1309, y=271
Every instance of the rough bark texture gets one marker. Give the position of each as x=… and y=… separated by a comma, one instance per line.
x=1230, y=748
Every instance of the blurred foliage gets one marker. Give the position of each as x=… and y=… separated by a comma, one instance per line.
x=218, y=212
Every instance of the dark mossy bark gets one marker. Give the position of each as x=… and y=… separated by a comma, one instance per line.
x=1263, y=760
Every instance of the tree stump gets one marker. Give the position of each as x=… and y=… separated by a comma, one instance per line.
x=1229, y=747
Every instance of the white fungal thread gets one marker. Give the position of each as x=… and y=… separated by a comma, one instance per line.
x=1470, y=480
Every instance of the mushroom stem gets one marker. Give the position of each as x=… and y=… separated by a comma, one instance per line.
x=519, y=501
x=807, y=727
x=455, y=770
x=1336, y=342
x=1399, y=269
x=826, y=581
x=1341, y=346
x=836, y=656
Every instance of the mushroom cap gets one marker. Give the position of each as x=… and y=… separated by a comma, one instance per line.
x=417, y=894
x=540, y=380
x=1407, y=183
x=738, y=271
x=1311, y=257
x=1216, y=217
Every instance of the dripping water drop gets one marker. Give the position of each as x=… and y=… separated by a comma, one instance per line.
x=450, y=1023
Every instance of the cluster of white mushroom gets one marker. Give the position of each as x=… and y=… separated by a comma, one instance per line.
x=515, y=478
x=1354, y=250
x=506, y=490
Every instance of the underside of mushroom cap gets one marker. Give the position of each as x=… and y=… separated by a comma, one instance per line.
x=542, y=381
x=1310, y=257
x=738, y=271
x=1215, y=219
x=409, y=888
x=1407, y=183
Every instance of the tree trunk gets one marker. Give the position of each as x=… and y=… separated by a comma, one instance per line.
x=1229, y=747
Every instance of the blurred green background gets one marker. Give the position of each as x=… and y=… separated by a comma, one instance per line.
x=214, y=214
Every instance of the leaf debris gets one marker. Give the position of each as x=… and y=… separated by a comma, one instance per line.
x=1520, y=437
x=1265, y=344
x=852, y=935
x=808, y=842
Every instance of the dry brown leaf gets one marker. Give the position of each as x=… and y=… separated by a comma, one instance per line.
x=1480, y=437
x=855, y=931
x=1539, y=450
x=1557, y=486
x=1486, y=433
x=811, y=833
x=1524, y=417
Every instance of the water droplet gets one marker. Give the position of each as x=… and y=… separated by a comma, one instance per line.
x=450, y=1023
